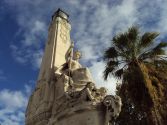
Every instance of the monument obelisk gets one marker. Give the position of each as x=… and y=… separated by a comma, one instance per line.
x=65, y=93
x=57, y=45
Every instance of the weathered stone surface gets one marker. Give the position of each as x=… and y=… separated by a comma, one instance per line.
x=65, y=93
x=81, y=117
x=56, y=47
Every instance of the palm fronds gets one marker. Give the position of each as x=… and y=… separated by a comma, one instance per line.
x=131, y=47
x=147, y=39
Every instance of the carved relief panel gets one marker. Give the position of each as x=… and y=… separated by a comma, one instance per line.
x=64, y=31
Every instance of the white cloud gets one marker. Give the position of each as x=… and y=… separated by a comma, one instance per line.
x=25, y=55
x=12, y=106
x=162, y=23
x=17, y=98
x=37, y=58
x=94, y=23
x=35, y=31
x=97, y=72
x=28, y=89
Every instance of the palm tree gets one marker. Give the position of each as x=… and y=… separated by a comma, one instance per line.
x=136, y=59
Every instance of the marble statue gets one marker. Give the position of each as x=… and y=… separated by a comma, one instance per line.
x=66, y=93
x=73, y=62
x=113, y=104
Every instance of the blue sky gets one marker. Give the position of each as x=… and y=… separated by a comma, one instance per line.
x=23, y=32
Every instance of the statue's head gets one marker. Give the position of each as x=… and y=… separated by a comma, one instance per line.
x=103, y=91
x=77, y=55
x=90, y=85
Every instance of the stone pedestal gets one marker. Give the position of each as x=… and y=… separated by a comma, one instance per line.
x=80, y=114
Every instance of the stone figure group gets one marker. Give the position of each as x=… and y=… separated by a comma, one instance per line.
x=72, y=85
x=79, y=84
x=77, y=78
x=65, y=92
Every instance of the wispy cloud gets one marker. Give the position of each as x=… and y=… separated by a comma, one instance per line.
x=26, y=55
x=97, y=72
x=94, y=23
x=13, y=105
x=17, y=98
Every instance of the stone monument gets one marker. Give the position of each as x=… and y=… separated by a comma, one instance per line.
x=65, y=92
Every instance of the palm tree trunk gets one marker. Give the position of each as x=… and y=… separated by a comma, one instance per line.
x=143, y=93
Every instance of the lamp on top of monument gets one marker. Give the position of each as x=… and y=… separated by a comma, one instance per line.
x=61, y=13
x=65, y=92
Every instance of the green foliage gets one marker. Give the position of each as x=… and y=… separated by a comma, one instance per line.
x=130, y=48
x=142, y=64
x=147, y=39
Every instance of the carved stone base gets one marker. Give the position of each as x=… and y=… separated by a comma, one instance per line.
x=83, y=114
x=83, y=117
x=40, y=119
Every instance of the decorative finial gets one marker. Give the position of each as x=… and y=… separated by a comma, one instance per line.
x=61, y=13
